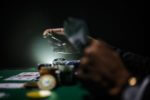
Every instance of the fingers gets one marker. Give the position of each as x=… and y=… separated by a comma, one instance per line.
x=59, y=31
x=87, y=73
x=100, y=58
x=55, y=30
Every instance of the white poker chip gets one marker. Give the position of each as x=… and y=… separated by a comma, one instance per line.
x=47, y=82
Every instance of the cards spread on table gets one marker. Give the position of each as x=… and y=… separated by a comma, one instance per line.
x=24, y=76
x=11, y=85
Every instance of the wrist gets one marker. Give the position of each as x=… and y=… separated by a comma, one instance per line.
x=131, y=81
x=123, y=79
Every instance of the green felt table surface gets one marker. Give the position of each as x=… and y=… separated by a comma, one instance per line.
x=73, y=92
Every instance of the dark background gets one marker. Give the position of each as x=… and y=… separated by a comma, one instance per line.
x=120, y=23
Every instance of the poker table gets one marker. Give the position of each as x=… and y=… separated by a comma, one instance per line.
x=72, y=92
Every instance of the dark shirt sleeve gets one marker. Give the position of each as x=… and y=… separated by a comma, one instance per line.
x=138, y=65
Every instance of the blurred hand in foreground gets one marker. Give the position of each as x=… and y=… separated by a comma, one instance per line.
x=102, y=64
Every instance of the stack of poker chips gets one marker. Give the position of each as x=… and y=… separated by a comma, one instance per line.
x=63, y=71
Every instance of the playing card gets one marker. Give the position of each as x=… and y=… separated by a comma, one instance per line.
x=24, y=76
x=77, y=32
x=11, y=85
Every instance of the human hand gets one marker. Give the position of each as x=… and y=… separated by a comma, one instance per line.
x=103, y=65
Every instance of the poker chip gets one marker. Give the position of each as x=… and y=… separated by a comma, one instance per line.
x=47, y=82
x=38, y=94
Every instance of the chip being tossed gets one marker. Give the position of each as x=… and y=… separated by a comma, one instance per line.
x=38, y=94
